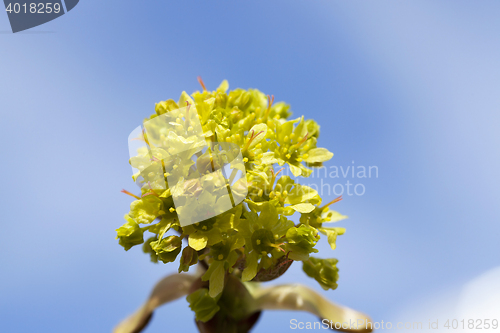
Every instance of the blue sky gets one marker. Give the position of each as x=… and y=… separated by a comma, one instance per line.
x=410, y=87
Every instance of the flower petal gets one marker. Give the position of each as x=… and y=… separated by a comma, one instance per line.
x=303, y=207
x=318, y=155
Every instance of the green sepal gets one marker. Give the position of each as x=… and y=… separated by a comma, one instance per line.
x=167, y=248
x=146, y=209
x=165, y=106
x=129, y=234
x=168, y=221
x=332, y=234
x=189, y=258
x=301, y=242
x=215, y=275
x=204, y=306
x=324, y=271
x=146, y=248
x=251, y=266
x=318, y=155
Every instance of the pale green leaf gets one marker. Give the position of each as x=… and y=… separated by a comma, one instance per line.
x=197, y=241
x=296, y=171
x=301, y=193
x=223, y=87
x=251, y=270
x=332, y=234
x=204, y=306
x=268, y=158
x=303, y=207
x=217, y=279
x=335, y=216
x=318, y=155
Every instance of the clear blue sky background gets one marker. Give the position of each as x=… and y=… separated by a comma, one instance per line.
x=412, y=87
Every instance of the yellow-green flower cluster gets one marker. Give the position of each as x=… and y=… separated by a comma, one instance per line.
x=256, y=240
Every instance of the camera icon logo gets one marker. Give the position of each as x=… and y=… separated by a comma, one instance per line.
x=170, y=152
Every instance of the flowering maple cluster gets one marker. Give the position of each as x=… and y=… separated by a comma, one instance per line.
x=255, y=240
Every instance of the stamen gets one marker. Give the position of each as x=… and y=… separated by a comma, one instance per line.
x=298, y=144
x=138, y=139
x=131, y=194
x=303, y=140
x=188, y=106
x=277, y=247
x=252, y=137
x=152, y=192
x=331, y=202
x=270, y=101
x=202, y=84
x=144, y=136
x=279, y=171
